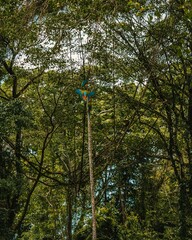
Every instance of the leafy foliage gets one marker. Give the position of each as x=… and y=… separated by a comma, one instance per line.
x=137, y=57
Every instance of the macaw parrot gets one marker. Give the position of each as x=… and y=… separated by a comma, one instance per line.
x=84, y=94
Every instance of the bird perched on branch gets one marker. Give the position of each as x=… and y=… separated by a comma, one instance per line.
x=84, y=94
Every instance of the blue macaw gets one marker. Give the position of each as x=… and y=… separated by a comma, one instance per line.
x=84, y=94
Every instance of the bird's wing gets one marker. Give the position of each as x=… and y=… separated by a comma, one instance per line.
x=78, y=91
x=91, y=94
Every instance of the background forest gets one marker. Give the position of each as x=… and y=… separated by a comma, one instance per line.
x=137, y=56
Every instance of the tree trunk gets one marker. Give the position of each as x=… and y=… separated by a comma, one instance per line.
x=92, y=188
x=69, y=214
x=182, y=211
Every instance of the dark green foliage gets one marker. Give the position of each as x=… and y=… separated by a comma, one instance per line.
x=14, y=116
x=10, y=190
x=107, y=225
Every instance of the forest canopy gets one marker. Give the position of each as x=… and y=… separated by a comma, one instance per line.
x=136, y=59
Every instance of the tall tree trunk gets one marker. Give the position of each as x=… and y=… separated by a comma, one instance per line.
x=190, y=131
x=182, y=211
x=92, y=188
x=2, y=162
x=69, y=214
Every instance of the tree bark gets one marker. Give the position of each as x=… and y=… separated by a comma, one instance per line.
x=182, y=211
x=69, y=214
x=92, y=188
